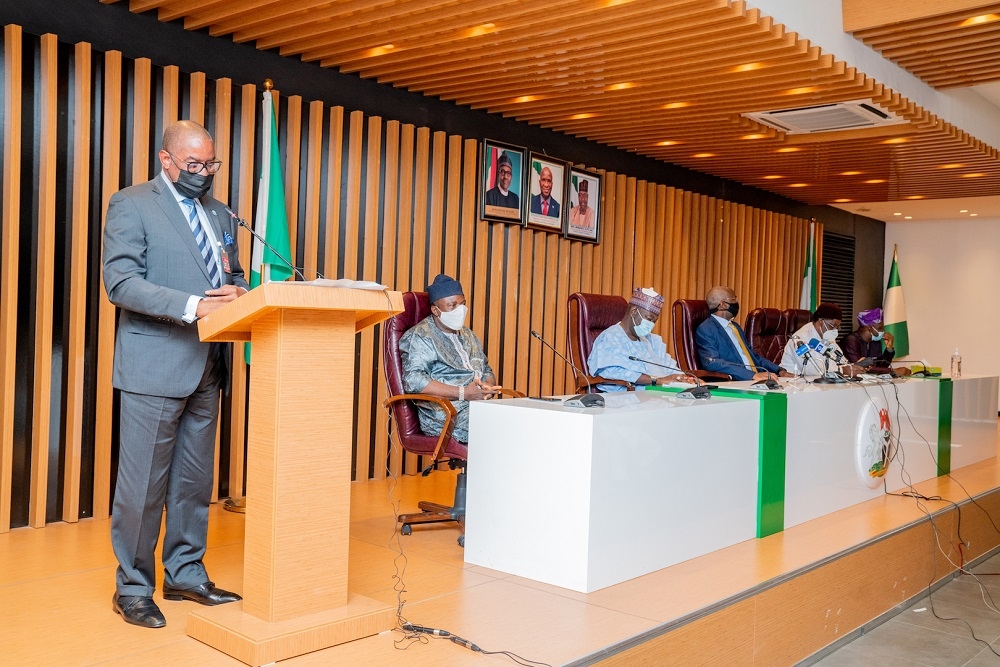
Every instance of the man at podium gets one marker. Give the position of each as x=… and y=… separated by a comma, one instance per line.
x=170, y=258
x=442, y=357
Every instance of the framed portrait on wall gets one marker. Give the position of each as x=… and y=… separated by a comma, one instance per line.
x=583, y=197
x=501, y=185
x=546, y=192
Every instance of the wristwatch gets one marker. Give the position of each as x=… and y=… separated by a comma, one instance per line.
x=653, y=382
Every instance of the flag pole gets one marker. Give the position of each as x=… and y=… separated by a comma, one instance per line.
x=238, y=504
x=265, y=269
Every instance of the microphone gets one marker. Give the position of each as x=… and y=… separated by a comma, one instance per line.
x=700, y=390
x=770, y=383
x=802, y=350
x=243, y=223
x=587, y=400
x=828, y=377
x=653, y=363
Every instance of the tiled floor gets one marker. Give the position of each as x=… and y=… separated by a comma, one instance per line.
x=916, y=638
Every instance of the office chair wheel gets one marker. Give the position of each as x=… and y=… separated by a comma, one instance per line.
x=461, y=541
x=406, y=529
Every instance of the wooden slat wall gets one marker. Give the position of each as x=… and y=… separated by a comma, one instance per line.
x=77, y=272
x=45, y=267
x=368, y=198
x=104, y=401
x=10, y=209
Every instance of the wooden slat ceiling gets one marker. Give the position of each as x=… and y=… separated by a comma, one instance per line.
x=947, y=47
x=663, y=78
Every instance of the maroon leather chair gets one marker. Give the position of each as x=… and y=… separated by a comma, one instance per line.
x=589, y=315
x=795, y=319
x=687, y=315
x=767, y=333
x=440, y=448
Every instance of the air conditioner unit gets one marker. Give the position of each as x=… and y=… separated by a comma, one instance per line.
x=827, y=117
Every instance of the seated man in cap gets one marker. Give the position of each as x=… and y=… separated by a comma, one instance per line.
x=442, y=357
x=722, y=345
x=864, y=344
x=820, y=331
x=634, y=337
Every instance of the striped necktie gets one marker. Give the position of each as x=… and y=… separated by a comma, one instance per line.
x=194, y=222
x=743, y=346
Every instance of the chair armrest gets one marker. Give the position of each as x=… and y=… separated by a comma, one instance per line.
x=449, y=415
x=511, y=393
x=711, y=376
x=583, y=387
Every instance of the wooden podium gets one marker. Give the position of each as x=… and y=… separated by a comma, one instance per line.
x=295, y=597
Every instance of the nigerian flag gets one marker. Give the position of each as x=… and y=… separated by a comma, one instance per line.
x=810, y=286
x=271, y=221
x=895, y=309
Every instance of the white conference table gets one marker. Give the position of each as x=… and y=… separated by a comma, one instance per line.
x=586, y=498
x=822, y=473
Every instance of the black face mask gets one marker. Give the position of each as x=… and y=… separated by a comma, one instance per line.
x=734, y=308
x=193, y=185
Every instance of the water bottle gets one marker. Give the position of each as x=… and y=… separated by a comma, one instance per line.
x=956, y=365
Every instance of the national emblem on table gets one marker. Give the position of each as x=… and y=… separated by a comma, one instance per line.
x=874, y=447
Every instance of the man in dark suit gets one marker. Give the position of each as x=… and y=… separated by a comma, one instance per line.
x=722, y=345
x=544, y=203
x=170, y=258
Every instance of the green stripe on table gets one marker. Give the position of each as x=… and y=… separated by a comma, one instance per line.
x=771, y=438
x=945, y=389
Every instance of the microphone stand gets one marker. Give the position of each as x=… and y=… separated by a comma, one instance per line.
x=807, y=359
x=701, y=390
x=770, y=383
x=243, y=223
x=238, y=505
x=829, y=377
x=588, y=400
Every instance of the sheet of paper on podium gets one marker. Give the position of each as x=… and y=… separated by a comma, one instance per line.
x=346, y=282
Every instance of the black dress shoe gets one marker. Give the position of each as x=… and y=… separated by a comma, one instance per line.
x=205, y=593
x=138, y=611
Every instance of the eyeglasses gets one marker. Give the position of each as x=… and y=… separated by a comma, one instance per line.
x=211, y=166
x=506, y=172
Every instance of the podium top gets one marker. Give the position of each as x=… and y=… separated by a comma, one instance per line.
x=233, y=321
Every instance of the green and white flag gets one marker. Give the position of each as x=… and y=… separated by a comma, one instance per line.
x=271, y=221
x=810, y=287
x=895, y=310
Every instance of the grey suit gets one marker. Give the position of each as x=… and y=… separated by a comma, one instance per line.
x=169, y=382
